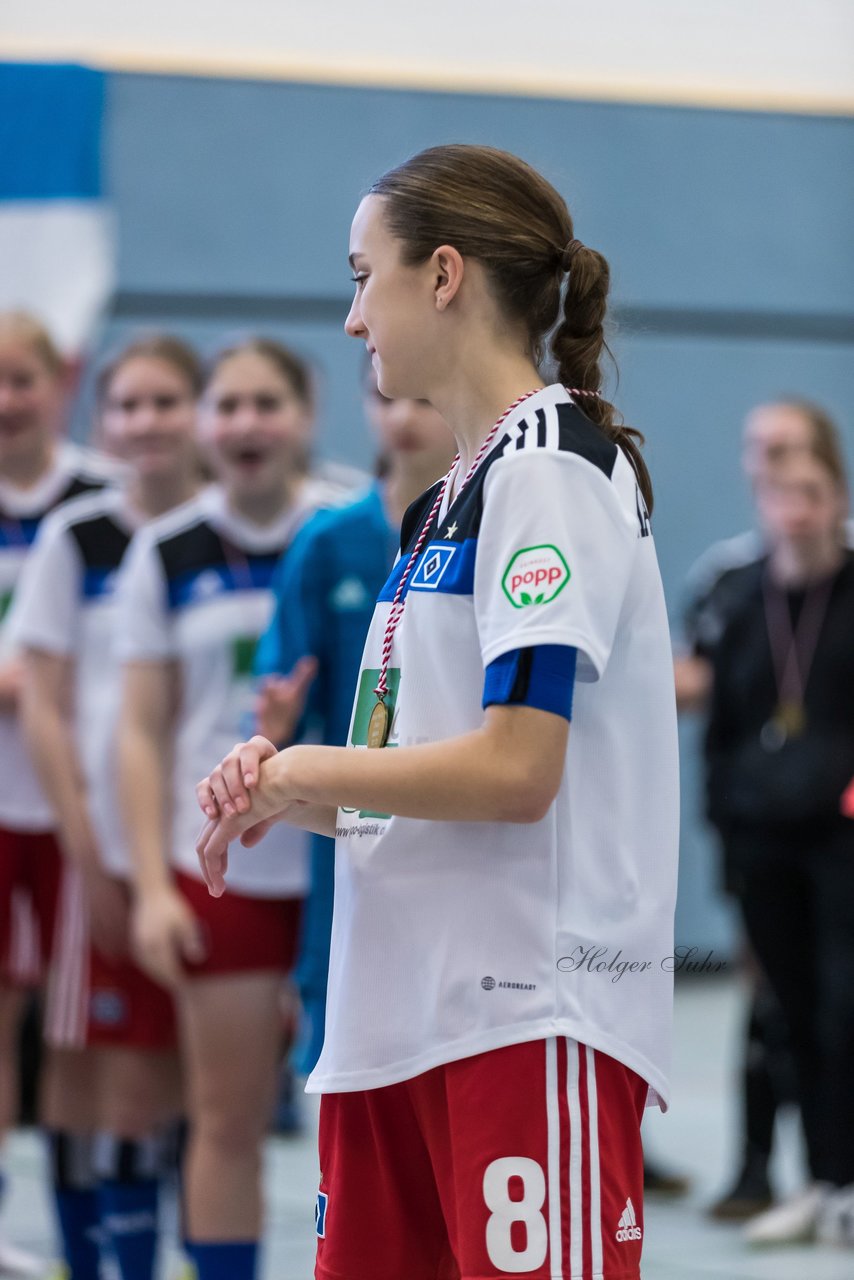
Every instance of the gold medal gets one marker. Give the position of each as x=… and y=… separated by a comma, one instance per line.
x=378, y=725
x=791, y=717
x=787, y=722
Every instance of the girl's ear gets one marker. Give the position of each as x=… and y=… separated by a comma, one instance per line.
x=448, y=267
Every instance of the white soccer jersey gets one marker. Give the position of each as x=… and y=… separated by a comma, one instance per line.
x=196, y=589
x=452, y=938
x=23, y=805
x=66, y=605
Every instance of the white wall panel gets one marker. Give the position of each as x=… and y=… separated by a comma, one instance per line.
x=798, y=55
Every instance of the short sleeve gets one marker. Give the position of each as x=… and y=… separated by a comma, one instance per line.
x=144, y=628
x=554, y=557
x=46, y=605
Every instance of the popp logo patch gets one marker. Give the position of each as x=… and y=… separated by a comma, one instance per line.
x=535, y=575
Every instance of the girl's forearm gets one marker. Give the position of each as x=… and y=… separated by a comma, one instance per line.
x=505, y=771
x=11, y=676
x=142, y=786
x=53, y=748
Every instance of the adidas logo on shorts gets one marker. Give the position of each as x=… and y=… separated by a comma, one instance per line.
x=628, y=1228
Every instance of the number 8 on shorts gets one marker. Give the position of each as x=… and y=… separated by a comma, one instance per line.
x=507, y=1211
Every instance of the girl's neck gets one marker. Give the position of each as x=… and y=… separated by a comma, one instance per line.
x=405, y=482
x=153, y=496
x=472, y=399
x=796, y=565
x=25, y=472
x=265, y=508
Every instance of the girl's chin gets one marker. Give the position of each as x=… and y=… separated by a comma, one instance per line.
x=155, y=468
x=20, y=433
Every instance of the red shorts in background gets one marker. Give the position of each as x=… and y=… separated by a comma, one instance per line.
x=525, y=1160
x=242, y=934
x=94, y=1001
x=30, y=874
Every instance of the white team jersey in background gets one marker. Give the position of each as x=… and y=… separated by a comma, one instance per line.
x=66, y=606
x=196, y=590
x=23, y=805
x=451, y=938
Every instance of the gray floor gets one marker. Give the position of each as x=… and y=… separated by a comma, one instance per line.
x=696, y=1136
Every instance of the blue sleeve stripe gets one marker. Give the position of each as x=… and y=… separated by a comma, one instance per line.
x=542, y=677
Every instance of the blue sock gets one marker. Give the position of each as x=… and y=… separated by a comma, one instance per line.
x=79, y=1225
x=129, y=1217
x=76, y=1203
x=226, y=1260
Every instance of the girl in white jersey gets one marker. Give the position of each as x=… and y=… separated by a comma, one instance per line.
x=37, y=471
x=197, y=593
x=499, y=995
x=112, y=1083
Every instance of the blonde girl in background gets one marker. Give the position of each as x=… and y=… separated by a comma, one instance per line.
x=38, y=470
x=197, y=596
x=112, y=1089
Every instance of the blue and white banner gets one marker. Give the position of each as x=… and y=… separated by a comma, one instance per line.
x=57, y=254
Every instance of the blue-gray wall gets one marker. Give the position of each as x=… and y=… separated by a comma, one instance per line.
x=729, y=235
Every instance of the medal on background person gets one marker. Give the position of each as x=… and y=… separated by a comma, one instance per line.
x=793, y=649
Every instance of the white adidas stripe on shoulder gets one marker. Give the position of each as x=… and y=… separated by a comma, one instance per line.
x=104, y=501
x=190, y=513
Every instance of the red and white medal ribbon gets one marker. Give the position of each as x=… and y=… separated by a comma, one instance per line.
x=398, y=604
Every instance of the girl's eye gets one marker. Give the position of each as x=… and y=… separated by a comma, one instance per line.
x=267, y=404
x=358, y=279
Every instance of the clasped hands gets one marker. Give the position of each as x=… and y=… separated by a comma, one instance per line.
x=241, y=799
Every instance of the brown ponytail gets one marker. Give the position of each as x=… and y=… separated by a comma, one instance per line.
x=493, y=207
x=577, y=347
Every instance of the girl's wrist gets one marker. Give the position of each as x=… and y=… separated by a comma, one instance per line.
x=288, y=775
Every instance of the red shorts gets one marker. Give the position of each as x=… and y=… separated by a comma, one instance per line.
x=30, y=873
x=97, y=1002
x=242, y=934
x=525, y=1160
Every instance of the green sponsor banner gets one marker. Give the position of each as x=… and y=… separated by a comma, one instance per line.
x=243, y=655
x=5, y=602
x=366, y=700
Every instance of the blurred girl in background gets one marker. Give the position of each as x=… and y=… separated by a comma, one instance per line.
x=111, y=1081
x=37, y=472
x=780, y=750
x=325, y=597
x=196, y=597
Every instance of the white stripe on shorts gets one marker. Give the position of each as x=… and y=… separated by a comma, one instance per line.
x=66, y=1012
x=576, y=1250
x=553, y=1132
x=595, y=1189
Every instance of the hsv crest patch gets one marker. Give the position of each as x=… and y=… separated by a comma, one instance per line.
x=433, y=564
x=535, y=575
x=108, y=1009
x=320, y=1213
